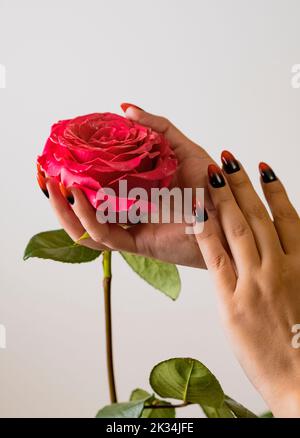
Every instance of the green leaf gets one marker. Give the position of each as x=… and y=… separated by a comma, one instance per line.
x=139, y=394
x=229, y=409
x=132, y=409
x=188, y=380
x=57, y=245
x=239, y=410
x=267, y=414
x=222, y=412
x=162, y=276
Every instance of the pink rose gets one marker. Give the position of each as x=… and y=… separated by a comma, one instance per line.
x=98, y=150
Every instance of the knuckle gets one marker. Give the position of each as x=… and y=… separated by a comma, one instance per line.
x=205, y=236
x=274, y=190
x=239, y=229
x=241, y=307
x=240, y=182
x=218, y=261
x=165, y=123
x=285, y=214
x=223, y=202
x=164, y=120
x=236, y=315
x=256, y=211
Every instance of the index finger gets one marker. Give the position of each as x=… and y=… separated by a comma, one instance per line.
x=179, y=142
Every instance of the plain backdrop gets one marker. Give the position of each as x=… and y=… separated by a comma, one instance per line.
x=221, y=71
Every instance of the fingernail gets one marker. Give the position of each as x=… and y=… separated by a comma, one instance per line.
x=42, y=183
x=215, y=176
x=66, y=194
x=200, y=213
x=40, y=170
x=230, y=164
x=267, y=173
x=126, y=105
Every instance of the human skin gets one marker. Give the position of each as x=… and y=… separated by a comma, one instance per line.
x=166, y=242
x=258, y=285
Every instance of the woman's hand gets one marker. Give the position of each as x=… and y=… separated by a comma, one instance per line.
x=167, y=242
x=259, y=283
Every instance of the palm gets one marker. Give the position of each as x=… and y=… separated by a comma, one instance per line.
x=169, y=242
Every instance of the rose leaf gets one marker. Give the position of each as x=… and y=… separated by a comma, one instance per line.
x=166, y=412
x=162, y=276
x=57, y=245
x=187, y=380
x=131, y=409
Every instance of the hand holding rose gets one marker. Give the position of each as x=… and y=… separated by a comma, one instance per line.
x=70, y=156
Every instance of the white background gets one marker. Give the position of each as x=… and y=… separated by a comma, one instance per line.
x=221, y=71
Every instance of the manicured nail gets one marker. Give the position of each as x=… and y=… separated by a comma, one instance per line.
x=66, y=194
x=267, y=173
x=126, y=105
x=40, y=170
x=42, y=183
x=230, y=164
x=200, y=213
x=215, y=176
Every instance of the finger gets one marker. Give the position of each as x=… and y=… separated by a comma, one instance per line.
x=179, y=142
x=112, y=236
x=253, y=209
x=216, y=258
x=286, y=218
x=237, y=231
x=66, y=216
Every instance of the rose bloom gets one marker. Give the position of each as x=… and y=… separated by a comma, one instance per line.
x=98, y=150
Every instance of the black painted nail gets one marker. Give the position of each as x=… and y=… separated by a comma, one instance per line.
x=230, y=164
x=200, y=213
x=215, y=176
x=267, y=173
x=42, y=183
x=67, y=194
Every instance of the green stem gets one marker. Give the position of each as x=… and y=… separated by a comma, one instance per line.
x=106, y=262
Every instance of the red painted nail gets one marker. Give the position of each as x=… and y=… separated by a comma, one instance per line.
x=230, y=164
x=215, y=176
x=66, y=193
x=40, y=170
x=267, y=173
x=213, y=168
x=126, y=105
x=42, y=183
